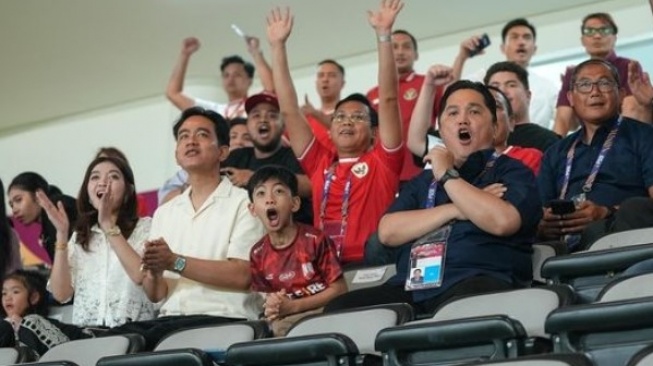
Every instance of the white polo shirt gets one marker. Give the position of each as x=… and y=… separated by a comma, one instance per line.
x=222, y=228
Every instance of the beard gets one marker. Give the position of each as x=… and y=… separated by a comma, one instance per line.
x=268, y=147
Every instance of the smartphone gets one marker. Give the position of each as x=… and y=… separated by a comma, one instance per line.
x=482, y=44
x=562, y=207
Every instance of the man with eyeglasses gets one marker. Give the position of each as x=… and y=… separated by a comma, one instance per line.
x=598, y=36
x=265, y=126
x=598, y=167
x=355, y=179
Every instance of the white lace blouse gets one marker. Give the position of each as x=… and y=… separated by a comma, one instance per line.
x=104, y=293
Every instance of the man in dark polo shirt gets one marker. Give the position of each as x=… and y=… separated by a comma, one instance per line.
x=488, y=202
x=598, y=36
x=266, y=127
x=609, y=160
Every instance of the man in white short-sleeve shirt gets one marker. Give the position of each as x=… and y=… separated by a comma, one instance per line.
x=197, y=259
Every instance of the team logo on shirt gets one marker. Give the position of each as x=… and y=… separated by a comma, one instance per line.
x=287, y=276
x=410, y=94
x=307, y=270
x=360, y=169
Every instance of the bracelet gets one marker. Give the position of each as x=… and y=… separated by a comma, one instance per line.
x=384, y=38
x=61, y=246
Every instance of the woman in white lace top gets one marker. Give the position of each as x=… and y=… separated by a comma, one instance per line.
x=100, y=263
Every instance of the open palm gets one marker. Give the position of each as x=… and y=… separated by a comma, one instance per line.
x=384, y=18
x=279, y=25
x=56, y=214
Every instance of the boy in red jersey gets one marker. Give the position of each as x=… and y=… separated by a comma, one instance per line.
x=295, y=265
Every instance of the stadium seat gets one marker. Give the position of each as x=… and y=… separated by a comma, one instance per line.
x=642, y=358
x=588, y=272
x=364, y=277
x=498, y=325
x=625, y=288
x=14, y=355
x=324, y=338
x=88, y=351
x=574, y=359
x=176, y=357
x=541, y=252
x=623, y=239
x=214, y=337
x=610, y=332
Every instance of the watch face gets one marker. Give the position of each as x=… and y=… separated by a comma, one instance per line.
x=180, y=264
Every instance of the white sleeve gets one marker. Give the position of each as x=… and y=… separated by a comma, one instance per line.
x=206, y=104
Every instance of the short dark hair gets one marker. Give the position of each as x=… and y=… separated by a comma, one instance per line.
x=593, y=61
x=267, y=172
x=219, y=123
x=406, y=33
x=235, y=59
x=237, y=121
x=607, y=18
x=335, y=63
x=508, y=66
x=360, y=98
x=29, y=182
x=505, y=98
x=488, y=98
x=519, y=22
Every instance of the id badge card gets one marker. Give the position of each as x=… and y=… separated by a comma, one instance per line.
x=333, y=229
x=427, y=260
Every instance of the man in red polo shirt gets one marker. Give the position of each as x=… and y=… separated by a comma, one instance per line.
x=355, y=180
x=404, y=47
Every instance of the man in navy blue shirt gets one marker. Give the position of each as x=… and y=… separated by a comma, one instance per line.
x=607, y=161
x=489, y=202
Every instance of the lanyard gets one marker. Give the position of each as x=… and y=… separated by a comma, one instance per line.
x=344, y=209
x=587, y=186
x=235, y=112
x=433, y=187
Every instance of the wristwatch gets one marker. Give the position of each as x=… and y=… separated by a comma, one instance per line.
x=179, y=265
x=449, y=174
x=114, y=231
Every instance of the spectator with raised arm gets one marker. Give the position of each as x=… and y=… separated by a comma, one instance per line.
x=480, y=205
x=599, y=37
x=354, y=183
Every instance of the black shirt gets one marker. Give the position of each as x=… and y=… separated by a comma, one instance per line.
x=532, y=135
x=244, y=158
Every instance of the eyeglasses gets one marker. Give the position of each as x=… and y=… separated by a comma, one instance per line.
x=354, y=117
x=603, y=85
x=604, y=31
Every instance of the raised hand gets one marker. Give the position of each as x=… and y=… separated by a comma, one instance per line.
x=190, y=46
x=105, y=220
x=383, y=19
x=469, y=45
x=279, y=25
x=253, y=44
x=57, y=214
x=439, y=75
x=640, y=84
x=308, y=108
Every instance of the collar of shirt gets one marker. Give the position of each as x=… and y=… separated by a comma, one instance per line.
x=612, y=57
x=601, y=133
x=222, y=190
x=407, y=77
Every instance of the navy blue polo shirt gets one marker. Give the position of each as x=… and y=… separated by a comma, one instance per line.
x=470, y=250
x=627, y=170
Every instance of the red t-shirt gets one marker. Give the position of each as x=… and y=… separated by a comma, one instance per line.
x=409, y=88
x=529, y=156
x=374, y=183
x=305, y=268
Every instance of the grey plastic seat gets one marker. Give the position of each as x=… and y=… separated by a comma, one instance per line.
x=609, y=332
x=625, y=288
x=574, y=359
x=176, y=357
x=15, y=355
x=589, y=272
x=214, y=337
x=498, y=325
x=642, y=358
x=623, y=239
x=543, y=251
x=87, y=352
x=336, y=338
x=365, y=277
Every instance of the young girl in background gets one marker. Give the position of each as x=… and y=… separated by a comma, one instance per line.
x=24, y=310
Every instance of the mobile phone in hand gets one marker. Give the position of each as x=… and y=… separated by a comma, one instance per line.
x=482, y=44
x=562, y=207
